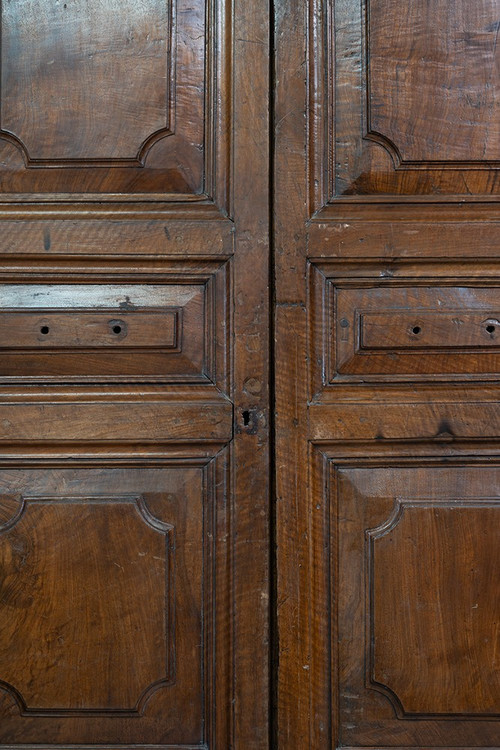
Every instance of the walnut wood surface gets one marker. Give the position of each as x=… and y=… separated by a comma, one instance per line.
x=388, y=421
x=134, y=348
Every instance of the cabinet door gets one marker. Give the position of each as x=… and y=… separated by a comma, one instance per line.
x=387, y=328
x=133, y=374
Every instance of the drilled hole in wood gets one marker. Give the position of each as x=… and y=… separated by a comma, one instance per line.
x=44, y=330
x=490, y=329
x=416, y=330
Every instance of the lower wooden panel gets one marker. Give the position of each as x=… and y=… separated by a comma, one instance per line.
x=114, y=605
x=414, y=607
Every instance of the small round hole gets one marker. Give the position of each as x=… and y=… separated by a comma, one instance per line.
x=44, y=330
x=117, y=329
x=416, y=330
x=490, y=329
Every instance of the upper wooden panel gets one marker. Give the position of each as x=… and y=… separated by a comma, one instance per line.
x=109, y=97
x=92, y=84
x=433, y=80
x=409, y=105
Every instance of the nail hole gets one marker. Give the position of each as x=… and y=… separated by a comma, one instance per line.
x=490, y=329
x=44, y=330
x=117, y=329
x=416, y=330
x=246, y=418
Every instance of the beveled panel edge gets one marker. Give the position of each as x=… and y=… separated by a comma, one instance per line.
x=325, y=459
x=216, y=193
x=146, y=144
x=324, y=203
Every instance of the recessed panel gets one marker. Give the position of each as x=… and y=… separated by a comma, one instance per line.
x=418, y=597
x=391, y=331
x=104, y=331
x=104, y=97
x=107, y=606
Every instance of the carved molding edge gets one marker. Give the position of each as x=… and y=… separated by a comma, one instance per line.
x=372, y=535
x=159, y=526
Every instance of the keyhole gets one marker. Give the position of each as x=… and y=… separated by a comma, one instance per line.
x=416, y=330
x=117, y=329
x=490, y=329
x=246, y=418
x=44, y=330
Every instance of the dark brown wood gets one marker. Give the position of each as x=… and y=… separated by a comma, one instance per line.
x=386, y=244
x=103, y=88
x=134, y=342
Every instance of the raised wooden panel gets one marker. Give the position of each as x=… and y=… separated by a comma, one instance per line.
x=111, y=98
x=158, y=332
x=433, y=78
x=92, y=84
x=371, y=324
x=408, y=106
x=108, y=604
x=416, y=331
x=441, y=560
x=74, y=329
x=64, y=560
x=415, y=573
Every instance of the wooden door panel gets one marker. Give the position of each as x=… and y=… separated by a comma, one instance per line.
x=409, y=99
x=438, y=104
x=367, y=325
x=386, y=232
x=171, y=330
x=134, y=456
x=417, y=604
x=96, y=101
x=137, y=83
x=109, y=619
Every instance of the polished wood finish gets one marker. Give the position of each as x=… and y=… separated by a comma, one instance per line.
x=170, y=330
x=388, y=419
x=134, y=348
x=437, y=106
x=105, y=97
x=405, y=102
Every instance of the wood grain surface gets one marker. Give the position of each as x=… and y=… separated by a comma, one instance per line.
x=387, y=413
